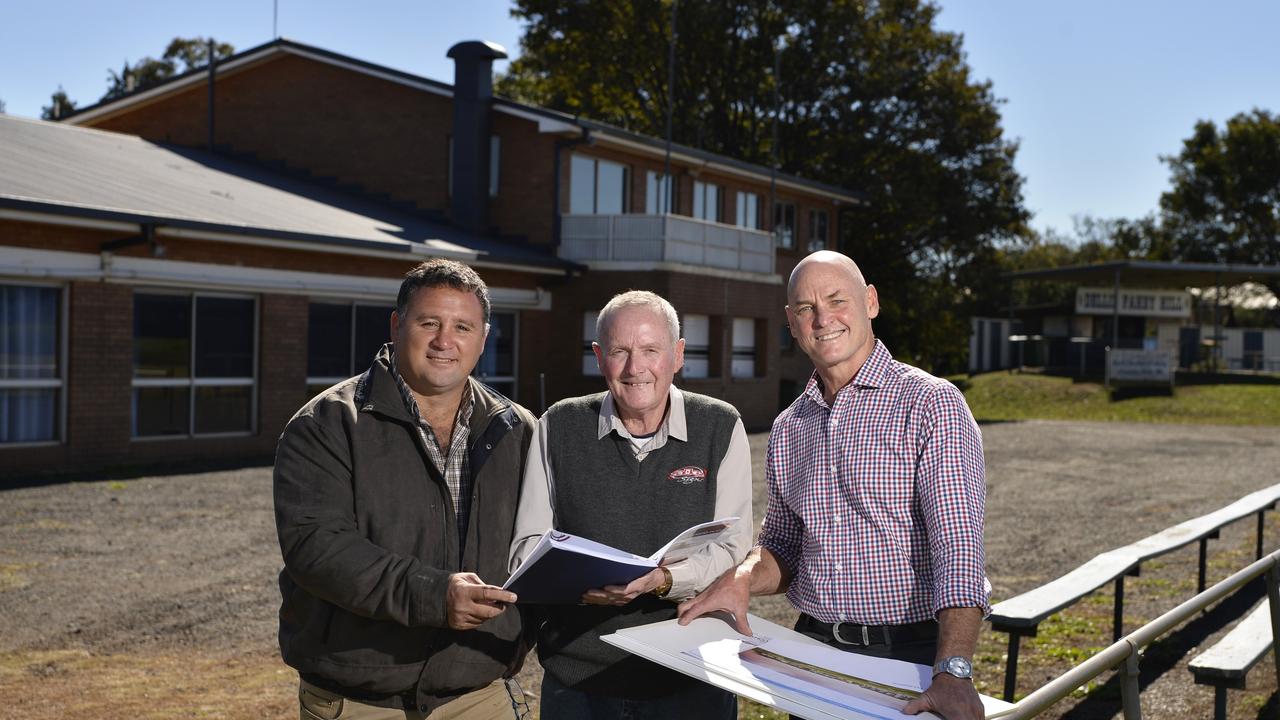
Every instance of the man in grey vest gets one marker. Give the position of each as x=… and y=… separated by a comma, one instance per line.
x=633, y=467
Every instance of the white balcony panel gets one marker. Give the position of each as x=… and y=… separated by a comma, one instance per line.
x=665, y=238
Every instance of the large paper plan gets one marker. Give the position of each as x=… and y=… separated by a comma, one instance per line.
x=781, y=668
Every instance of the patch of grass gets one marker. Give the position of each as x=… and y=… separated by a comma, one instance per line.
x=13, y=577
x=752, y=710
x=116, y=485
x=1002, y=396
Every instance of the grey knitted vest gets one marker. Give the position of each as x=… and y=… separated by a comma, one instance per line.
x=602, y=493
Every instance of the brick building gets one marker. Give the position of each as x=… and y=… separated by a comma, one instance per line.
x=179, y=285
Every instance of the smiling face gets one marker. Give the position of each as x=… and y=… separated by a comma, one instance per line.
x=830, y=310
x=439, y=339
x=638, y=360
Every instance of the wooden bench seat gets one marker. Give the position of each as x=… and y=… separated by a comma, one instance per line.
x=1022, y=614
x=1226, y=664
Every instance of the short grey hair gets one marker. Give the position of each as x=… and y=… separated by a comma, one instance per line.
x=642, y=299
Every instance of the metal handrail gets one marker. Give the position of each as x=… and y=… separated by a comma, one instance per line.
x=1125, y=650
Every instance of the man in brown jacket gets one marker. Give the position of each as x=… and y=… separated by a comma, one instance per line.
x=395, y=496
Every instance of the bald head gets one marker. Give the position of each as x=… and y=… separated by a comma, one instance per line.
x=825, y=259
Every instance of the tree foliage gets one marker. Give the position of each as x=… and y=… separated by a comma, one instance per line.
x=1224, y=203
x=59, y=105
x=872, y=97
x=182, y=55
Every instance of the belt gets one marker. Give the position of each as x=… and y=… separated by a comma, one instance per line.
x=847, y=633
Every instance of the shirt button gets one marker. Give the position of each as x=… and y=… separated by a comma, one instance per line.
x=839, y=566
x=835, y=520
x=833, y=469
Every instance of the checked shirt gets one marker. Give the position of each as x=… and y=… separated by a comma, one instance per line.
x=452, y=462
x=876, y=501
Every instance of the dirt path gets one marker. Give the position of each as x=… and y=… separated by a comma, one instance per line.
x=155, y=597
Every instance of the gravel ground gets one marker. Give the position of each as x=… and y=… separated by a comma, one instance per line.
x=184, y=566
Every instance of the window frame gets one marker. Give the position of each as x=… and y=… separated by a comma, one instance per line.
x=514, y=378
x=624, y=206
x=780, y=210
x=60, y=382
x=814, y=214
x=742, y=217
x=351, y=306
x=191, y=381
x=700, y=200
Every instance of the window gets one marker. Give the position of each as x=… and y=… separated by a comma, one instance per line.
x=697, y=346
x=495, y=163
x=658, y=196
x=342, y=340
x=784, y=225
x=497, y=366
x=194, y=359
x=748, y=210
x=589, y=364
x=817, y=230
x=596, y=187
x=744, y=348
x=30, y=363
x=706, y=201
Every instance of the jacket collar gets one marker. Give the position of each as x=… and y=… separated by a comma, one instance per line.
x=377, y=391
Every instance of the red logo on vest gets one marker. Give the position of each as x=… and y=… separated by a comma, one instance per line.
x=687, y=475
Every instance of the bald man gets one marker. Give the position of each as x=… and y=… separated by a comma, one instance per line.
x=876, y=491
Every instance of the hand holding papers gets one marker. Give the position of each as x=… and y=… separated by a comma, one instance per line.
x=784, y=669
x=562, y=567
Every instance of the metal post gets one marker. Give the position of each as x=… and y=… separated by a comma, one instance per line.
x=1216, y=355
x=1129, y=690
x=1273, y=597
x=1219, y=702
x=212, y=72
x=1204, y=545
x=663, y=205
x=1117, y=617
x=1011, y=666
x=1258, y=551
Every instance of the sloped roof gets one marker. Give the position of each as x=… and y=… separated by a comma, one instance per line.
x=54, y=168
x=552, y=120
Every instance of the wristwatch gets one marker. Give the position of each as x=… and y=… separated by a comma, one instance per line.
x=662, y=590
x=955, y=665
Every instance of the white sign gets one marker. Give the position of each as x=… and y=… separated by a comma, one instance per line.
x=1145, y=303
x=1141, y=365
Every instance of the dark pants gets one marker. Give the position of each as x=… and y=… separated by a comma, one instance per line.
x=917, y=642
x=701, y=701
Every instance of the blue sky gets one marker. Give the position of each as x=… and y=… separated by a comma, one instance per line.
x=1095, y=91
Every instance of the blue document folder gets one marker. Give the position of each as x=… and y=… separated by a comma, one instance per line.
x=562, y=567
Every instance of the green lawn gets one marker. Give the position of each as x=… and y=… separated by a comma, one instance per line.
x=1026, y=396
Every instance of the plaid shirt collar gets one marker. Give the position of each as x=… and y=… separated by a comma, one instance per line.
x=461, y=423
x=872, y=374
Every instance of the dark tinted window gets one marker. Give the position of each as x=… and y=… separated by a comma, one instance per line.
x=373, y=330
x=161, y=335
x=329, y=340
x=224, y=337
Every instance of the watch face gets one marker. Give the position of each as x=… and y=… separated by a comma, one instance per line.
x=959, y=667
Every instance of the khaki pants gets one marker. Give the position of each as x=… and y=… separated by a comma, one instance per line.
x=487, y=703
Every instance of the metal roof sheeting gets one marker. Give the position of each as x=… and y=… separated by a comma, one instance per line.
x=52, y=167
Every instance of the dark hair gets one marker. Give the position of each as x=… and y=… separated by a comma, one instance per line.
x=439, y=272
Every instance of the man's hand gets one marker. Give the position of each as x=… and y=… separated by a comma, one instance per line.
x=949, y=696
x=469, y=601
x=730, y=592
x=623, y=594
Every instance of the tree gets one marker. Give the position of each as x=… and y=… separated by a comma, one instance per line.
x=2, y=107
x=872, y=98
x=182, y=55
x=59, y=105
x=1224, y=203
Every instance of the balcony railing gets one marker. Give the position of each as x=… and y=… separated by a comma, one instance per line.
x=664, y=238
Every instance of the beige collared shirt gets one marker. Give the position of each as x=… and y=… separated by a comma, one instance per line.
x=536, y=513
